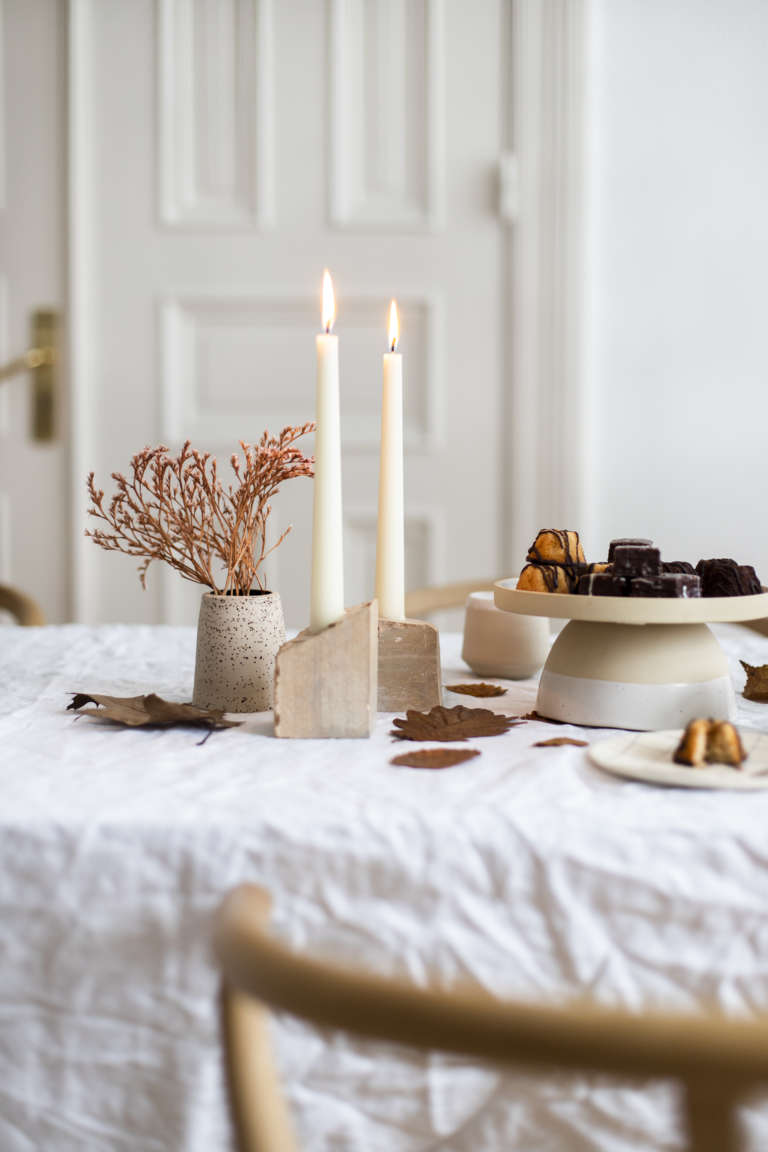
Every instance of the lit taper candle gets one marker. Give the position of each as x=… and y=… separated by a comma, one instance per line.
x=390, y=542
x=327, y=592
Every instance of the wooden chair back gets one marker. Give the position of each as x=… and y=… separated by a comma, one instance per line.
x=715, y=1059
x=422, y=602
x=23, y=608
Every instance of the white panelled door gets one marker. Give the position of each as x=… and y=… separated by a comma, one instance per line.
x=226, y=152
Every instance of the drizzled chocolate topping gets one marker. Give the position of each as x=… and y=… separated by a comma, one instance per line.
x=564, y=540
x=550, y=573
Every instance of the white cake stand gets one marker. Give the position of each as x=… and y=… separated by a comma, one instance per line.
x=626, y=662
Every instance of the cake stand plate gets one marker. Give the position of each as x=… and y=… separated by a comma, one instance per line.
x=624, y=662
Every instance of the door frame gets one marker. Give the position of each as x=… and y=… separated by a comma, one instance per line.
x=549, y=411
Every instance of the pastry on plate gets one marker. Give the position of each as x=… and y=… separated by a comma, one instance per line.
x=544, y=578
x=677, y=567
x=724, y=577
x=632, y=560
x=710, y=742
x=627, y=542
x=602, y=583
x=556, y=546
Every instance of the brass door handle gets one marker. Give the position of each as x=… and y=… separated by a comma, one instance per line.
x=40, y=360
x=32, y=358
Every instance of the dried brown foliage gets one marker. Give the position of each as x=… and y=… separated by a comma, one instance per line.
x=458, y=723
x=139, y=711
x=478, y=690
x=756, y=687
x=178, y=510
x=559, y=741
x=434, y=757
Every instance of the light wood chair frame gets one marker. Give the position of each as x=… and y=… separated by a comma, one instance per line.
x=716, y=1059
x=23, y=608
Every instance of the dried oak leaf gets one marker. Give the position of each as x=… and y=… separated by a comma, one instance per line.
x=542, y=719
x=558, y=741
x=481, y=689
x=457, y=723
x=756, y=687
x=137, y=711
x=434, y=757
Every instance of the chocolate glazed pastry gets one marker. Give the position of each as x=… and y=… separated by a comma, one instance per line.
x=543, y=578
x=724, y=577
x=556, y=546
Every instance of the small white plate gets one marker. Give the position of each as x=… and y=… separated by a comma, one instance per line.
x=647, y=756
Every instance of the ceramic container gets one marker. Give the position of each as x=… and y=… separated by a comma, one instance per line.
x=237, y=641
x=500, y=643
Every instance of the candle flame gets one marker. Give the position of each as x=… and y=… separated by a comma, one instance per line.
x=394, y=327
x=329, y=302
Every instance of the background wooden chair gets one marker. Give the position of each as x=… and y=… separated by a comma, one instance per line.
x=715, y=1059
x=441, y=597
x=23, y=608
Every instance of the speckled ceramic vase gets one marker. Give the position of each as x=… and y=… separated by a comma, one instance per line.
x=237, y=641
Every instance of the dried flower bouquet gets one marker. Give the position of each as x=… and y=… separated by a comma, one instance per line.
x=178, y=510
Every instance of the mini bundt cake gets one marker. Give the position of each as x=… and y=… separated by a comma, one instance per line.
x=710, y=742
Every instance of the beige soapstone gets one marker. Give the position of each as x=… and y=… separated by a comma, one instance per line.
x=409, y=666
x=326, y=682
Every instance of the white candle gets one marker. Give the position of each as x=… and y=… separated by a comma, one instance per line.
x=327, y=592
x=390, y=542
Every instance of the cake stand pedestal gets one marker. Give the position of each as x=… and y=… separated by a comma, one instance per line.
x=633, y=663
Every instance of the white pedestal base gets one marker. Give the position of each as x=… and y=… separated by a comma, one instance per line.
x=637, y=677
x=641, y=707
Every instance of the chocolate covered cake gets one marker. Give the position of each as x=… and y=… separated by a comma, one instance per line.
x=724, y=577
x=627, y=542
x=677, y=566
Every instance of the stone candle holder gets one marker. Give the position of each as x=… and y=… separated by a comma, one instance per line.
x=409, y=666
x=326, y=682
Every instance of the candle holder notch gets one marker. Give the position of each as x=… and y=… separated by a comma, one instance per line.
x=409, y=666
x=326, y=682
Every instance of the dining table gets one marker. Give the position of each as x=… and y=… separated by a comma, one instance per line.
x=526, y=871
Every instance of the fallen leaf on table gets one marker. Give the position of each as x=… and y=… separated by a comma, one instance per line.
x=477, y=689
x=137, y=711
x=756, y=687
x=558, y=741
x=457, y=723
x=434, y=757
x=542, y=719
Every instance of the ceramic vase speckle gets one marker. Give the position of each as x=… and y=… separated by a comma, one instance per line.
x=237, y=641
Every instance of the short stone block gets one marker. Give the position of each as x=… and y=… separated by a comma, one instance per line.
x=326, y=682
x=409, y=666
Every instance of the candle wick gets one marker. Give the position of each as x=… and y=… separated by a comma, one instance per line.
x=394, y=345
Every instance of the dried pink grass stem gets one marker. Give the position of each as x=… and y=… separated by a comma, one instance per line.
x=176, y=509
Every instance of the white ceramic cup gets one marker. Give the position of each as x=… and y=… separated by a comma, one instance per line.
x=500, y=643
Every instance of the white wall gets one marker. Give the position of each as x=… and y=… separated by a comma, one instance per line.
x=678, y=255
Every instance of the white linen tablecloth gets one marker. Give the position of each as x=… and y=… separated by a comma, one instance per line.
x=525, y=870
